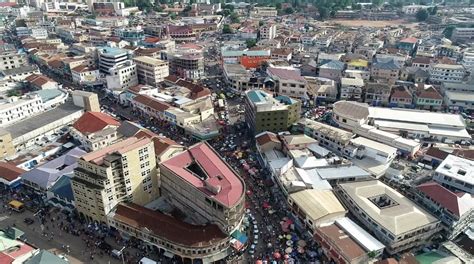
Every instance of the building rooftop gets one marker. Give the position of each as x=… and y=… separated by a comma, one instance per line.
x=327, y=130
x=318, y=203
x=19, y=70
x=110, y=51
x=124, y=146
x=150, y=60
x=460, y=96
x=10, y=172
x=92, y=122
x=286, y=74
x=387, y=207
x=460, y=169
x=203, y=168
x=298, y=140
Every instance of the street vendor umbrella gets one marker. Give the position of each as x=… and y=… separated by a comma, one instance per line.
x=302, y=243
x=259, y=262
x=289, y=243
x=269, y=245
x=300, y=250
x=288, y=236
x=266, y=205
x=288, y=250
x=277, y=255
x=286, y=256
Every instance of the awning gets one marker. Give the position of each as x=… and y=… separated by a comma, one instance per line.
x=236, y=244
x=15, y=203
x=168, y=254
x=239, y=236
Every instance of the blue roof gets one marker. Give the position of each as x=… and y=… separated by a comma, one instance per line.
x=285, y=99
x=62, y=188
x=48, y=94
x=333, y=64
x=112, y=51
x=257, y=96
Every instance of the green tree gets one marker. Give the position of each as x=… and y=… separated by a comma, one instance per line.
x=13, y=92
x=433, y=10
x=377, y=3
x=356, y=6
x=234, y=18
x=323, y=13
x=229, y=7
x=173, y=16
x=289, y=10
x=278, y=6
x=250, y=43
x=421, y=15
x=448, y=31
x=226, y=29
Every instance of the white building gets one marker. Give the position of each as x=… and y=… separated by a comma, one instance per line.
x=268, y=31
x=122, y=76
x=264, y=12
x=39, y=33
x=15, y=109
x=84, y=74
x=463, y=34
x=459, y=100
x=151, y=71
x=468, y=59
x=456, y=173
x=288, y=81
x=413, y=9
x=447, y=72
x=111, y=57
x=11, y=58
x=351, y=89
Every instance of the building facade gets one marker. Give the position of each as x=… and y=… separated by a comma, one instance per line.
x=151, y=71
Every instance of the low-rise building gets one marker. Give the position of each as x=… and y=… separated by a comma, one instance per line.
x=19, y=73
x=41, y=82
x=151, y=71
x=95, y=130
x=84, y=74
x=379, y=208
x=401, y=97
x=463, y=101
x=241, y=80
x=332, y=138
x=288, y=82
x=17, y=108
x=351, y=89
x=264, y=12
x=385, y=70
x=263, y=112
x=447, y=72
x=377, y=93
x=9, y=174
x=332, y=70
x=461, y=34
x=456, y=173
x=427, y=97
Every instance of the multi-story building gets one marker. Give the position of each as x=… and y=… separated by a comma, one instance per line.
x=463, y=34
x=122, y=172
x=385, y=70
x=454, y=209
x=456, y=173
x=38, y=33
x=468, y=59
x=11, y=58
x=380, y=209
x=351, y=89
x=122, y=76
x=132, y=35
x=199, y=182
x=447, y=72
x=84, y=74
x=151, y=71
x=95, y=130
x=263, y=112
x=288, y=82
x=332, y=70
x=268, y=31
x=87, y=100
x=377, y=93
x=111, y=57
x=187, y=63
x=264, y=12
x=15, y=109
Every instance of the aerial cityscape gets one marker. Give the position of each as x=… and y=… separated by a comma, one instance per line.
x=215, y=131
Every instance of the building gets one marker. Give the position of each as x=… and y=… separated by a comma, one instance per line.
x=456, y=174
x=122, y=76
x=468, y=59
x=351, y=89
x=122, y=172
x=332, y=70
x=377, y=93
x=19, y=73
x=288, y=82
x=345, y=242
x=17, y=108
x=84, y=74
x=385, y=70
x=10, y=58
x=264, y=12
x=199, y=182
x=463, y=101
x=404, y=122
x=186, y=63
x=241, y=80
x=315, y=208
x=263, y=112
x=447, y=72
x=401, y=97
x=413, y=9
x=95, y=130
x=395, y=220
x=9, y=175
x=41, y=82
x=87, y=100
x=111, y=57
x=268, y=31
x=151, y=71
x=461, y=34
x=455, y=210
x=427, y=97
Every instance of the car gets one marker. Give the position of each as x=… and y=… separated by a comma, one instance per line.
x=28, y=221
x=104, y=246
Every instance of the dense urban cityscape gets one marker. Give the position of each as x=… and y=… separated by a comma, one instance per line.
x=210, y=131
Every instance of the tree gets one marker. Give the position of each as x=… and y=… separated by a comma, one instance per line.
x=323, y=13
x=421, y=15
x=234, y=18
x=289, y=10
x=433, y=10
x=250, y=43
x=261, y=23
x=173, y=16
x=377, y=3
x=229, y=7
x=356, y=6
x=448, y=31
x=278, y=6
x=226, y=29
x=13, y=92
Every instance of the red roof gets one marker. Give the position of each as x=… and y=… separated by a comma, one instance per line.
x=9, y=171
x=92, y=122
x=442, y=196
x=286, y=74
x=220, y=183
x=401, y=93
x=429, y=93
x=169, y=227
x=4, y=258
x=151, y=39
x=38, y=80
x=161, y=143
x=266, y=137
x=197, y=91
x=436, y=153
x=409, y=40
x=151, y=102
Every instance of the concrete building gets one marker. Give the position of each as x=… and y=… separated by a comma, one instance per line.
x=447, y=72
x=461, y=34
x=10, y=58
x=468, y=59
x=241, y=80
x=95, y=130
x=17, y=108
x=454, y=209
x=151, y=71
x=19, y=73
x=84, y=74
x=351, y=89
x=87, y=100
x=122, y=172
x=199, y=182
x=186, y=63
x=332, y=70
x=377, y=93
x=345, y=242
x=456, y=173
x=263, y=112
x=404, y=122
x=380, y=209
x=111, y=57
x=463, y=101
x=122, y=76
x=264, y=12
x=385, y=70
x=268, y=31
x=288, y=82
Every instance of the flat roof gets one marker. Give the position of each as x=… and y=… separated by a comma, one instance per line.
x=374, y=145
x=342, y=172
x=219, y=180
x=35, y=122
x=401, y=217
x=460, y=96
x=416, y=116
x=357, y=233
x=150, y=60
x=318, y=203
x=458, y=168
x=330, y=131
x=97, y=157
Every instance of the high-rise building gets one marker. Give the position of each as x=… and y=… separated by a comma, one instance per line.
x=122, y=172
x=111, y=57
x=151, y=71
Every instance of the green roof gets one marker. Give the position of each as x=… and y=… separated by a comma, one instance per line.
x=6, y=242
x=45, y=257
x=429, y=257
x=256, y=96
x=13, y=232
x=48, y=94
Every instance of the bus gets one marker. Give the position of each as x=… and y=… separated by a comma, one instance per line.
x=16, y=206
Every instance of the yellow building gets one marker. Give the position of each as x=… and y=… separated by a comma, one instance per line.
x=123, y=172
x=6, y=144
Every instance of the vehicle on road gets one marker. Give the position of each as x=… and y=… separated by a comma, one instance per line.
x=28, y=221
